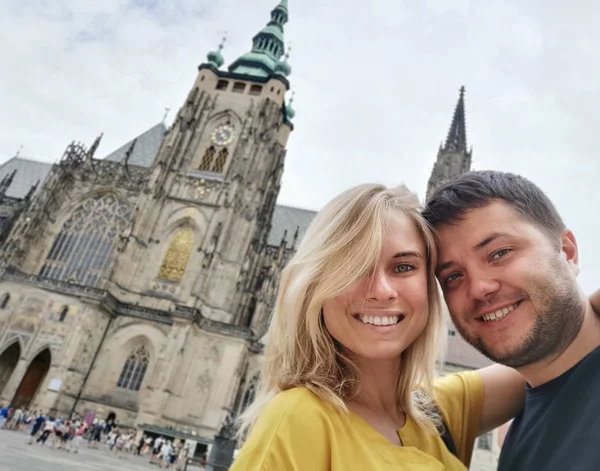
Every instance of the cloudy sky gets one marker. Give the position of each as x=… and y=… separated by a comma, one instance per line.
x=376, y=83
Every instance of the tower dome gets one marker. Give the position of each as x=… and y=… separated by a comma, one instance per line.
x=215, y=57
x=290, y=113
x=283, y=67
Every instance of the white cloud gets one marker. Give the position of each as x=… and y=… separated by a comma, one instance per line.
x=376, y=86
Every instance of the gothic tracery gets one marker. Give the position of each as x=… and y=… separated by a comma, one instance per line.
x=82, y=248
x=134, y=369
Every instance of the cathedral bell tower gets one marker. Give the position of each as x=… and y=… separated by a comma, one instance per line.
x=200, y=230
x=453, y=157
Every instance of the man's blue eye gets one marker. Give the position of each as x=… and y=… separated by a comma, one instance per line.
x=500, y=254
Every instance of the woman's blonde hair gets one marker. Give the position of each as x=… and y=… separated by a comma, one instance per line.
x=341, y=246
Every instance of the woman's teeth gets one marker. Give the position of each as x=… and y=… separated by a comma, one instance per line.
x=377, y=320
x=499, y=314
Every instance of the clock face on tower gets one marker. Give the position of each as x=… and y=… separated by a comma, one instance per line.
x=223, y=135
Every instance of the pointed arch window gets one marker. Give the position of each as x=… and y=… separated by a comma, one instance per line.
x=207, y=159
x=213, y=161
x=220, y=161
x=134, y=369
x=178, y=255
x=86, y=240
x=250, y=393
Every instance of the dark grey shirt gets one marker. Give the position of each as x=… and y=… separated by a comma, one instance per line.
x=559, y=429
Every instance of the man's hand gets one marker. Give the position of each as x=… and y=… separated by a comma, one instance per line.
x=595, y=301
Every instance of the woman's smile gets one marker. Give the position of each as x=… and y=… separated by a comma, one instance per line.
x=380, y=324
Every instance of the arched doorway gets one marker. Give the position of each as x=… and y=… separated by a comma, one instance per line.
x=8, y=362
x=112, y=417
x=35, y=374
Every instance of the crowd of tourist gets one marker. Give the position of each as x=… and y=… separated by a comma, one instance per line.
x=69, y=434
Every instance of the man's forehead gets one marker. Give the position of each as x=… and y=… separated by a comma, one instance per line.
x=493, y=216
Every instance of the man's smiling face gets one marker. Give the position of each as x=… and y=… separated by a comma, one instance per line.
x=510, y=287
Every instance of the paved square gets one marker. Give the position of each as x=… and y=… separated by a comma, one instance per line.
x=17, y=455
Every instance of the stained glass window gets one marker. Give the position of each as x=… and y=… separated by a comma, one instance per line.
x=207, y=159
x=134, y=369
x=220, y=161
x=213, y=162
x=177, y=256
x=82, y=248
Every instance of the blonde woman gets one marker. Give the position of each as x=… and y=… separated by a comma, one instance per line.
x=351, y=350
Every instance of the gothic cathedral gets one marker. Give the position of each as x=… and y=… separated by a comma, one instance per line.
x=138, y=287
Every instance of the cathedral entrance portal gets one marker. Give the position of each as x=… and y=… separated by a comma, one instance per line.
x=35, y=374
x=8, y=362
x=110, y=420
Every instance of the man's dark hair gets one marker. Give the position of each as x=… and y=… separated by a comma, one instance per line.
x=472, y=190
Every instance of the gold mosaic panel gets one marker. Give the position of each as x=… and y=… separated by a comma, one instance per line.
x=178, y=255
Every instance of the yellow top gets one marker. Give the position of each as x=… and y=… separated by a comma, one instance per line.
x=297, y=431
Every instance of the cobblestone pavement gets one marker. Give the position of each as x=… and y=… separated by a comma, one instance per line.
x=17, y=455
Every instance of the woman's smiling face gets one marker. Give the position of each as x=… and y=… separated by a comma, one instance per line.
x=385, y=312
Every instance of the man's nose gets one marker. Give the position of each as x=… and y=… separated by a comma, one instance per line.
x=482, y=286
x=382, y=288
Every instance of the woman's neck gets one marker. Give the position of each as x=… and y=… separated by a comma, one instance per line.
x=379, y=385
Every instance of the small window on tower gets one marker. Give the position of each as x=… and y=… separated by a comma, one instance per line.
x=202, y=78
x=239, y=87
x=256, y=89
x=4, y=301
x=279, y=92
x=63, y=314
x=222, y=85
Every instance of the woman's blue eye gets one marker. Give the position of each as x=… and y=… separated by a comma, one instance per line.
x=404, y=268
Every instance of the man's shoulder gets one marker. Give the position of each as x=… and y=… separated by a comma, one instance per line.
x=558, y=428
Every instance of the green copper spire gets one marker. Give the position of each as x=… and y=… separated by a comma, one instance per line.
x=267, y=47
x=215, y=57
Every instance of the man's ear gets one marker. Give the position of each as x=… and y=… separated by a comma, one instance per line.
x=570, y=251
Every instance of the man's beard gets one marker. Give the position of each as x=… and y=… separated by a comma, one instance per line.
x=559, y=313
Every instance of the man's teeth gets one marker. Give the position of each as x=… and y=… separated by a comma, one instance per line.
x=376, y=320
x=499, y=314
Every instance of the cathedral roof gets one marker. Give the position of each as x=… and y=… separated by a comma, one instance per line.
x=288, y=218
x=146, y=147
x=285, y=218
x=28, y=173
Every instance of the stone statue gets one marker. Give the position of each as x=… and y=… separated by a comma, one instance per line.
x=229, y=427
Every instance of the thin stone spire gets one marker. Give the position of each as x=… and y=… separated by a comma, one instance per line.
x=457, y=135
x=453, y=156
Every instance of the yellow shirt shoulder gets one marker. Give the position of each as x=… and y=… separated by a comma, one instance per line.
x=297, y=431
